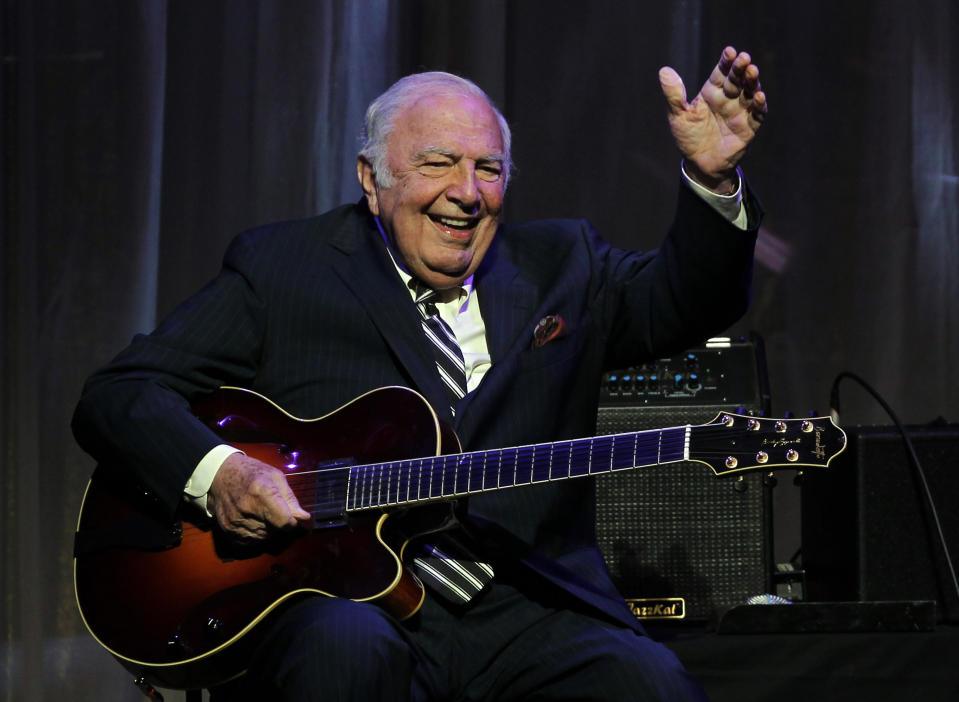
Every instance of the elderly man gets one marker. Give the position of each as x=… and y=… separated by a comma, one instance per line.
x=314, y=313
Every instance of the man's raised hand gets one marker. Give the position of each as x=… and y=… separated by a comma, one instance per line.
x=714, y=129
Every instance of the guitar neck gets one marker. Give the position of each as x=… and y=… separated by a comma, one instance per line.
x=436, y=478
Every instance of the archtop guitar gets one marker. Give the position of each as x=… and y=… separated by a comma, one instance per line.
x=178, y=602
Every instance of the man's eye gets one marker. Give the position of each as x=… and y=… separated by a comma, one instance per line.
x=433, y=167
x=489, y=173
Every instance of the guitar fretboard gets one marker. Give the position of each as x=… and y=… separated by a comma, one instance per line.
x=443, y=477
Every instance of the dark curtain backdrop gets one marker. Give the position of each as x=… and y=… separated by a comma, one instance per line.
x=139, y=136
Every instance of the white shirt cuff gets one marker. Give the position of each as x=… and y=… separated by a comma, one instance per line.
x=199, y=483
x=729, y=206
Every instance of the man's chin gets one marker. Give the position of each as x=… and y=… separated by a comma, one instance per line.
x=439, y=280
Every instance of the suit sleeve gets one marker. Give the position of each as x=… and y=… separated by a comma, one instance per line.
x=135, y=412
x=696, y=285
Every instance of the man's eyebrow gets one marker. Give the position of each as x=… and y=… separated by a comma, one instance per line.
x=440, y=151
x=433, y=151
x=498, y=158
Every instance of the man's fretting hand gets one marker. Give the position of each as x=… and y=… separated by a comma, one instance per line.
x=713, y=131
x=250, y=499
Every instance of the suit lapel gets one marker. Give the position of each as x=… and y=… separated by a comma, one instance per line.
x=507, y=301
x=375, y=283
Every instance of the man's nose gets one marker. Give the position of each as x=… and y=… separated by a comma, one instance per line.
x=464, y=188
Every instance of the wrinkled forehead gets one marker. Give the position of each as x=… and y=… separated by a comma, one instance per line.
x=459, y=124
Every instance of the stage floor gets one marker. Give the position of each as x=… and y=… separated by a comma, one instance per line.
x=821, y=667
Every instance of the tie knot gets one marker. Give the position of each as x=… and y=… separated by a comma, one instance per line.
x=424, y=294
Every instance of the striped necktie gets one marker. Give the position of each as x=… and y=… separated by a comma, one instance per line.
x=445, y=563
x=447, y=353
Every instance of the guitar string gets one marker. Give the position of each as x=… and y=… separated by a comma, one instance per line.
x=310, y=485
x=395, y=470
x=436, y=472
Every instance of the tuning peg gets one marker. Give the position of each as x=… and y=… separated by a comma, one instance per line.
x=740, y=485
x=799, y=479
x=788, y=414
x=769, y=480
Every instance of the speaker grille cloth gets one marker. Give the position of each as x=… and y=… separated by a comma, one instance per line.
x=677, y=530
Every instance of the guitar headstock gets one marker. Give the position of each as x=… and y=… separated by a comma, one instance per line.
x=735, y=443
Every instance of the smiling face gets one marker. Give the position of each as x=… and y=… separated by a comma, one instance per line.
x=445, y=153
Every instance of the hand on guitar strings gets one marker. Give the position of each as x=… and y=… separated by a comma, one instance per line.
x=251, y=499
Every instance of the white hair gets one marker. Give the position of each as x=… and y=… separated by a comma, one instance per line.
x=383, y=111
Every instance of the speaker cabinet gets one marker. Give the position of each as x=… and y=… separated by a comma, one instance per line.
x=676, y=532
x=867, y=529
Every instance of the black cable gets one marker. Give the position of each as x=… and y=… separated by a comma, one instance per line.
x=913, y=458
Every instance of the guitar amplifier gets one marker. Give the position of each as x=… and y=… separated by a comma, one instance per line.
x=680, y=543
x=868, y=533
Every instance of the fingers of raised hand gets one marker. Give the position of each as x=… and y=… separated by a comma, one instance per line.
x=742, y=76
x=738, y=78
x=758, y=108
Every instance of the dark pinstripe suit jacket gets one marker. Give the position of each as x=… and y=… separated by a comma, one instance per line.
x=311, y=314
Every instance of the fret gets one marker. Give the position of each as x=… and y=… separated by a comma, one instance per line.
x=579, y=458
x=600, y=455
x=477, y=480
x=493, y=470
x=389, y=483
x=623, y=453
x=647, y=448
x=541, y=460
x=358, y=488
x=560, y=460
x=368, y=493
x=380, y=499
x=422, y=485
x=350, y=485
x=395, y=477
x=359, y=485
x=462, y=479
x=435, y=478
x=524, y=466
x=449, y=474
x=507, y=473
x=673, y=447
x=402, y=482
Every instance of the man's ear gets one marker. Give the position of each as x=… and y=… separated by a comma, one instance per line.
x=364, y=172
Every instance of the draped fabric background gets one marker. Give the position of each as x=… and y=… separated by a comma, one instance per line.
x=139, y=135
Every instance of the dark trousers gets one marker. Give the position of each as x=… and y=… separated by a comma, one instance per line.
x=506, y=646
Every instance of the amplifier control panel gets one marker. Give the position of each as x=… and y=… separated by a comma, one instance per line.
x=723, y=371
